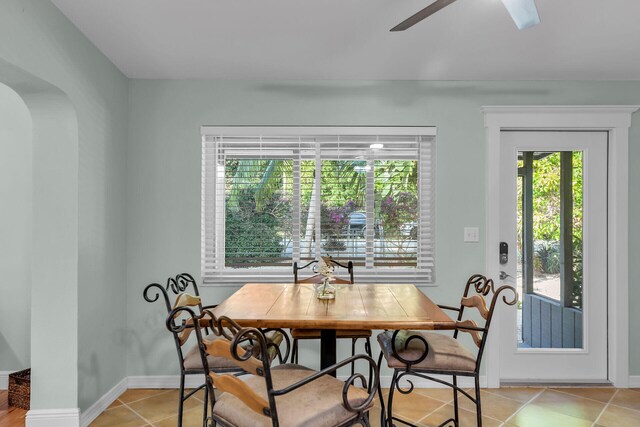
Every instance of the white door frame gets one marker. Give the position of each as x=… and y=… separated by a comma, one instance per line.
x=616, y=120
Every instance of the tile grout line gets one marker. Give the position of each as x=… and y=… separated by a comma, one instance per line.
x=115, y=407
x=443, y=404
x=432, y=412
x=185, y=410
x=135, y=412
x=625, y=407
x=428, y=397
x=582, y=397
x=451, y=403
x=605, y=408
x=525, y=404
x=434, y=398
x=509, y=398
x=148, y=397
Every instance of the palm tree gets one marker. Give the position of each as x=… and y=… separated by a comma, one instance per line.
x=266, y=176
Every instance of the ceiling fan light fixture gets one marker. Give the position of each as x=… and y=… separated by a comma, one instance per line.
x=523, y=12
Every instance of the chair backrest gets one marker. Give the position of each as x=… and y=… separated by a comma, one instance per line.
x=482, y=287
x=246, y=347
x=249, y=348
x=317, y=278
x=179, y=286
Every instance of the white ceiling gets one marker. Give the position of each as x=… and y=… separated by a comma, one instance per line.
x=350, y=39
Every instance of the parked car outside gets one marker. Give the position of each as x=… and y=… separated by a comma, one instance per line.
x=409, y=229
x=357, y=225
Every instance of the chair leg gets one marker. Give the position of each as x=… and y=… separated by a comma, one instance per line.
x=211, y=401
x=181, y=401
x=392, y=387
x=478, y=406
x=206, y=404
x=294, y=351
x=365, y=420
x=455, y=401
x=382, y=411
x=367, y=349
x=353, y=352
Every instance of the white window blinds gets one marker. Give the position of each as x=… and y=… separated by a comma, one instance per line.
x=272, y=196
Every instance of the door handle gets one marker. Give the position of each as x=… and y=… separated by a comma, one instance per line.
x=504, y=275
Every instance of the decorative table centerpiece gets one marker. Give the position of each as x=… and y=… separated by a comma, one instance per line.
x=324, y=289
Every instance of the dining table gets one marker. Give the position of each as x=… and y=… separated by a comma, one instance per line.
x=356, y=306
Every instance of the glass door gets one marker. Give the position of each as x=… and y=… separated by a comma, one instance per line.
x=553, y=215
x=549, y=249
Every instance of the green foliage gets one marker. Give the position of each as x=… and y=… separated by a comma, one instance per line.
x=546, y=257
x=546, y=197
x=393, y=177
x=258, y=209
x=265, y=177
x=396, y=210
x=343, y=189
x=336, y=218
x=256, y=234
x=342, y=182
x=546, y=218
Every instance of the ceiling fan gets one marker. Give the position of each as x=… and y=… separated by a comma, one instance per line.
x=523, y=12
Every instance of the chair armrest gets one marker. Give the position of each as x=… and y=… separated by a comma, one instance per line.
x=467, y=327
x=326, y=371
x=282, y=359
x=448, y=307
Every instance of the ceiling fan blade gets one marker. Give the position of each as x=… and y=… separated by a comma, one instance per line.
x=424, y=13
x=523, y=12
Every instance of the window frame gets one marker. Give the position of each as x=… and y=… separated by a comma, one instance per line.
x=219, y=275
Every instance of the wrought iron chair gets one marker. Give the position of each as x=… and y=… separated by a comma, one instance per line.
x=422, y=354
x=189, y=359
x=314, y=334
x=285, y=395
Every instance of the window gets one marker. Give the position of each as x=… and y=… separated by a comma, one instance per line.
x=272, y=196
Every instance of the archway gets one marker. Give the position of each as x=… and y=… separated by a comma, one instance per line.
x=54, y=246
x=15, y=233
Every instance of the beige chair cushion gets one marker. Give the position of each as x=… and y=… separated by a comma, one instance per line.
x=317, y=404
x=193, y=360
x=445, y=353
x=302, y=334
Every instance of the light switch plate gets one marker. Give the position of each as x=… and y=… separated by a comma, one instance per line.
x=471, y=234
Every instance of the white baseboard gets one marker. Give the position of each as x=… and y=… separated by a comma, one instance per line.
x=103, y=403
x=634, y=381
x=4, y=380
x=53, y=418
x=164, y=381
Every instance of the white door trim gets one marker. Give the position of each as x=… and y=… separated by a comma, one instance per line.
x=616, y=119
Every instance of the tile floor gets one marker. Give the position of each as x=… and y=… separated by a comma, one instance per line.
x=519, y=406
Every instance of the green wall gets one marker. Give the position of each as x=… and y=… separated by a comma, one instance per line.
x=163, y=162
x=37, y=38
x=15, y=231
x=139, y=192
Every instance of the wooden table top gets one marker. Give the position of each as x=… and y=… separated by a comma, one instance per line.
x=359, y=306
